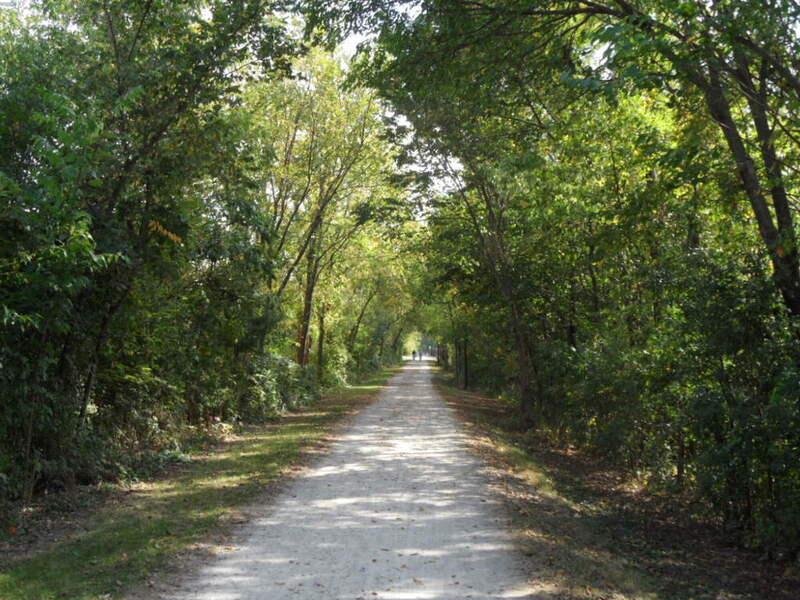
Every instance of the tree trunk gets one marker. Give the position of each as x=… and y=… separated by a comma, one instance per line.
x=693, y=227
x=321, y=344
x=572, y=318
x=100, y=341
x=459, y=348
x=499, y=261
x=351, y=338
x=29, y=479
x=530, y=402
x=305, y=315
x=465, y=356
x=681, y=460
x=787, y=240
x=779, y=242
x=396, y=339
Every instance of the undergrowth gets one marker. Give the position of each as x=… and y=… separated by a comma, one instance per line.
x=592, y=532
x=133, y=539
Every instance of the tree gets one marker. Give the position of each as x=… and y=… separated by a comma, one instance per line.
x=110, y=127
x=737, y=57
x=331, y=167
x=602, y=153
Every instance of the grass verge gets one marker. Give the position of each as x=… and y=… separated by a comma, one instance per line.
x=131, y=540
x=592, y=534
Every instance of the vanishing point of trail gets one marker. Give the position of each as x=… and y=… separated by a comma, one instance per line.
x=398, y=509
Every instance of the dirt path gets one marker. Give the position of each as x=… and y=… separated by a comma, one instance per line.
x=398, y=509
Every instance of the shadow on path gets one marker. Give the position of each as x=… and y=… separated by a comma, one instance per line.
x=398, y=509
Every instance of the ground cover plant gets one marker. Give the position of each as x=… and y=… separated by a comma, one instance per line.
x=593, y=532
x=134, y=537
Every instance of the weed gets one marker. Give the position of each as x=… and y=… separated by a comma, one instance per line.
x=131, y=540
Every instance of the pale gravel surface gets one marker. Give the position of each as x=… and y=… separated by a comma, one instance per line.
x=398, y=509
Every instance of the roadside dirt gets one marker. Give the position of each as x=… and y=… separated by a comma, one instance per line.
x=56, y=518
x=604, y=530
x=53, y=518
x=236, y=524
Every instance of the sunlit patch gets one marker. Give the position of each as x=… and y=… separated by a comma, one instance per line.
x=397, y=509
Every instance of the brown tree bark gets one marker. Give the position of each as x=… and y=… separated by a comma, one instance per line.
x=351, y=338
x=779, y=241
x=396, y=338
x=305, y=314
x=499, y=261
x=321, y=343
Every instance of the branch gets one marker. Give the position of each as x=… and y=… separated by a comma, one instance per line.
x=135, y=40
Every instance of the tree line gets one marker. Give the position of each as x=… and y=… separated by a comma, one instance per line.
x=612, y=236
x=589, y=205
x=190, y=230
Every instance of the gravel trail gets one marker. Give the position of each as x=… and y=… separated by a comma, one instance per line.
x=398, y=509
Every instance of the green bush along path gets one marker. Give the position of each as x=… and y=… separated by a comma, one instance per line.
x=129, y=542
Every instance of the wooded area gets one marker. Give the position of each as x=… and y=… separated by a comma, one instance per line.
x=207, y=214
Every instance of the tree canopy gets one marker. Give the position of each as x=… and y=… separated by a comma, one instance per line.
x=587, y=207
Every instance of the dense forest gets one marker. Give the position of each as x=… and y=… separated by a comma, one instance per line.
x=207, y=213
x=190, y=231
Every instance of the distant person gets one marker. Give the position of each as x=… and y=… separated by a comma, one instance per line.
x=420, y=354
x=413, y=355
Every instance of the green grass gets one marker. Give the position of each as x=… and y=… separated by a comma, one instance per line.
x=131, y=541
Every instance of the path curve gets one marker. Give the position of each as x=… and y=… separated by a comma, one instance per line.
x=398, y=509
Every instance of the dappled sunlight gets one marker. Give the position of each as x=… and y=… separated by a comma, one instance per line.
x=397, y=509
x=152, y=521
x=573, y=553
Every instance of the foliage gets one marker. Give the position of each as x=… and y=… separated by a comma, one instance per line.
x=610, y=226
x=590, y=206
x=147, y=286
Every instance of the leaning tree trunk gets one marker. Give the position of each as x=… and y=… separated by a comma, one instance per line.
x=353, y=336
x=305, y=314
x=530, y=403
x=321, y=344
x=780, y=240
